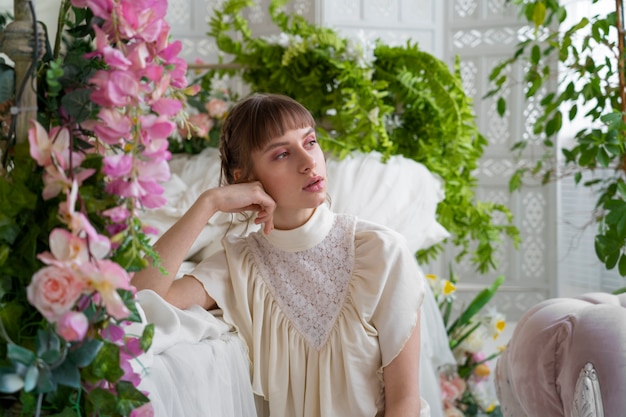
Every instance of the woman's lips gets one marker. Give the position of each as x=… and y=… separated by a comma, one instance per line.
x=315, y=185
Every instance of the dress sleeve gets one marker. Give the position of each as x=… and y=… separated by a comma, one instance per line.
x=225, y=276
x=394, y=286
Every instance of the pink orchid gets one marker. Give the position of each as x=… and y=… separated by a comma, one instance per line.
x=167, y=106
x=54, y=290
x=117, y=214
x=171, y=51
x=72, y=326
x=153, y=201
x=157, y=149
x=106, y=277
x=178, y=71
x=65, y=248
x=99, y=245
x=55, y=181
x=154, y=127
x=114, y=126
x=154, y=72
x=156, y=170
x=114, y=58
x=114, y=88
x=44, y=147
x=119, y=165
x=138, y=55
x=141, y=18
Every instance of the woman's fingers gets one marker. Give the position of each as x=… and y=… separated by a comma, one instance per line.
x=249, y=196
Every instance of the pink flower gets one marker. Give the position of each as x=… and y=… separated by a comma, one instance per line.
x=106, y=277
x=114, y=58
x=114, y=126
x=66, y=248
x=114, y=88
x=54, y=290
x=452, y=388
x=217, y=108
x=119, y=165
x=55, y=181
x=145, y=410
x=154, y=127
x=72, y=326
x=44, y=147
x=167, y=106
x=200, y=123
x=99, y=245
x=117, y=214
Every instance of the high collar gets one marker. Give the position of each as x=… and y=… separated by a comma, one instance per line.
x=306, y=236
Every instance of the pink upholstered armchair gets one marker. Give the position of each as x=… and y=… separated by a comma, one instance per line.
x=567, y=357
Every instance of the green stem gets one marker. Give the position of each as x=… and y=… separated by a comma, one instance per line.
x=64, y=9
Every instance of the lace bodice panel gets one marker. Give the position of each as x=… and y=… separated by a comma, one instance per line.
x=311, y=285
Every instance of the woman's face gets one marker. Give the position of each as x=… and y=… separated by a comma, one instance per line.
x=292, y=170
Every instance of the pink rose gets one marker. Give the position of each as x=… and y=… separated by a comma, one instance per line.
x=217, y=108
x=72, y=326
x=54, y=290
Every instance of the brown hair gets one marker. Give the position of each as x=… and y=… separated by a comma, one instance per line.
x=251, y=124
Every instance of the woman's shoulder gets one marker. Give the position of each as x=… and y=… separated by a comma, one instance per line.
x=367, y=231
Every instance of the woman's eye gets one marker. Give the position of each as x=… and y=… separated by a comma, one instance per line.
x=281, y=155
x=312, y=142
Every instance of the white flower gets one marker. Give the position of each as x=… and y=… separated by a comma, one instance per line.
x=474, y=342
x=494, y=322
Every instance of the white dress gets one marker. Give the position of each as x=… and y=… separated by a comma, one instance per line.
x=321, y=308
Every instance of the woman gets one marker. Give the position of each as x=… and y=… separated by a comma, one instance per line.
x=327, y=304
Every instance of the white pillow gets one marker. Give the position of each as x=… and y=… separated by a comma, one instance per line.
x=400, y=194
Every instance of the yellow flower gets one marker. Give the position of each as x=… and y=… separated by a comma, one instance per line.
x=500, y=325
x=490, y=408
x=482, y=370
x=448, y=287
x=431, y=277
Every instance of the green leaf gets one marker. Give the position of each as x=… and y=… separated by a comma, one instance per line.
x=78, y=104
x=67, y=373
x=20, y=355
x=103, y=402
x=106, y=364
x=146, y=337
x=501, y=106
x=481, y=299
x=10, y=382
x=129, y=397
x=86, y=352
x=622, y=265
x=535, y=54
x=539, y=13
x=30, y=378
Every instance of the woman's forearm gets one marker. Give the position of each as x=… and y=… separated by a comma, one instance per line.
x=173, y=246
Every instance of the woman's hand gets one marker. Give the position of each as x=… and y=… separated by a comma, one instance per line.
x=248, y=196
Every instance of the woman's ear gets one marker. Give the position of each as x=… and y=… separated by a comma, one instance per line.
x=237, y=174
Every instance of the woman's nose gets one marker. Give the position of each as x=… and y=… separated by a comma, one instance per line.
x=307, y=161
